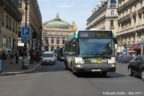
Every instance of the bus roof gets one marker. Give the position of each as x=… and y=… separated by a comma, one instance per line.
x=76, y=34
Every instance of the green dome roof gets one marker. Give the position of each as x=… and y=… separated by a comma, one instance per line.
x=57, y=23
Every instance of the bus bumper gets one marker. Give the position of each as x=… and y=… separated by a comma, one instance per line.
x=95, y=67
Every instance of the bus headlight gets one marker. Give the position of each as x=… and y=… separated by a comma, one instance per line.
x=113, y=65
x=79, y=60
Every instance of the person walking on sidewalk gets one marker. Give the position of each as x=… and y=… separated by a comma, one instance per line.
x=17, y=56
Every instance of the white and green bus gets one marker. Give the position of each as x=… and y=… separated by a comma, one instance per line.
x=91, y=51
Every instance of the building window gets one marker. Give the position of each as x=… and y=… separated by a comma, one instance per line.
x=16, y=28
x=113, y=3
x=19, y=34
x=47, y=42
x=111, y=23
x=63, y=41
x=58, y=41
x=7, y=22
x=13, y=26
x=52, y=41
x=52, y=48
x=112, y=12
x=2, y=18
x=19, y=3
x=10, y=24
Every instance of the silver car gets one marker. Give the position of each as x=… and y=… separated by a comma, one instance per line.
x=48, y=57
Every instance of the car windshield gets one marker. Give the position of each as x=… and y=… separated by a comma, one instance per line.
x=96, y=47
x=47, y=55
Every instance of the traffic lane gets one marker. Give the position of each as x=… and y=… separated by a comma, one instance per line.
x=119, y=83
x=54, y=83
x=58, y=66
x=114, y=80
x=64, y=83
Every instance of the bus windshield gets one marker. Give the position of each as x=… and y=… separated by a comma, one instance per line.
x=96, y=47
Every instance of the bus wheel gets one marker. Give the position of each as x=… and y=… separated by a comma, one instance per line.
x=74, y=70
x=104, y=74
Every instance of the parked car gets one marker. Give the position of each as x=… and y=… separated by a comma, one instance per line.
x=124, y=58
x=136, y=67
x=48, y=57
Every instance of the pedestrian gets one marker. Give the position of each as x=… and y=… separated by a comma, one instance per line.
x=10, y=56
x=3, y=55
x=17, y=56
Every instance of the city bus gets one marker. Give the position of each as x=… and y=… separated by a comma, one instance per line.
x=91, y=51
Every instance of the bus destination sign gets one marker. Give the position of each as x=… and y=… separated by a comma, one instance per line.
x=95, y=34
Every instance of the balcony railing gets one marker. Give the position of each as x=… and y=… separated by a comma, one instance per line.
x=141, y=10
x=11, y=9
x=99, y=20
x=97, y=13
x=127, y=17
x=128, y=4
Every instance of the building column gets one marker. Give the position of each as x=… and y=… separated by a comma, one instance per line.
x=55, y=41
x=136, y=37
x=1, y=33
x=61, y=40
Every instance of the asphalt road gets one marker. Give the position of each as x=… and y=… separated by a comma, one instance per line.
x=54, y=80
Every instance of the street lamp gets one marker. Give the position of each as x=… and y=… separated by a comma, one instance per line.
x=26, y=8
x=25, y=59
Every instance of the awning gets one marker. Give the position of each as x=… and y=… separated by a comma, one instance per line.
x=141, y=45
x=135, y=47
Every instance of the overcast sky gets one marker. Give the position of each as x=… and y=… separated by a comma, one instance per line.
x=69, y=10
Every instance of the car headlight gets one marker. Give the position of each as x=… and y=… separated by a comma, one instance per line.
x=43, y=60
x=52, y=59
x=79, y=60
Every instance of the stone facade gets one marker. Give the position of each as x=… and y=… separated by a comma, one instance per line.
x=104, y=16
x=56, y=32
x=131, y=23
x=9, y=21
x=34, y=21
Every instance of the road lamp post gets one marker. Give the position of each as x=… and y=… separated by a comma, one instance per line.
x=26, y=8
x=25, y=58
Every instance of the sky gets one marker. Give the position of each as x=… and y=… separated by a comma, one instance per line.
x=69, y=10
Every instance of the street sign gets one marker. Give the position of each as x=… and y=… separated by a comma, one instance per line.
x=26, y=31
x=25, y=35
x=25, y=41
x=125, y=51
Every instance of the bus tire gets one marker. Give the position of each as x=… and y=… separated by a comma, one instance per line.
x=104, y=74
x=73, y=70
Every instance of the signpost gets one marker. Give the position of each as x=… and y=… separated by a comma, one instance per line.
x=25, y=38
x=26, y=35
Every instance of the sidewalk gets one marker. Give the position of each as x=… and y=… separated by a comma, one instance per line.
x=11, y=68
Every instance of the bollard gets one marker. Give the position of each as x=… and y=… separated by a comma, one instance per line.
x=25, y=62
x=1, y=66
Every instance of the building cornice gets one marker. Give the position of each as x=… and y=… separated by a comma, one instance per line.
x=130, y=30
x=127, y=4
x=101, y=19
x=98, y=12
x=11, y=9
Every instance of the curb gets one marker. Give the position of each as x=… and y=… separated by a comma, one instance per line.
x=20, y=72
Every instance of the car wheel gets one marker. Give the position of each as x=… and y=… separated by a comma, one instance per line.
x=130, y=72
x=142, y=75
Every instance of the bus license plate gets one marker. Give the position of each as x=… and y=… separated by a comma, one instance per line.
x=96, y=70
